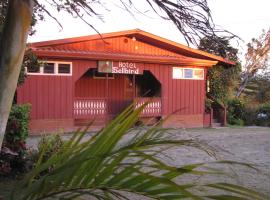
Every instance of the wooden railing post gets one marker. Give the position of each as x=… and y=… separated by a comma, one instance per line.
x=225, y=117
x=211, y=117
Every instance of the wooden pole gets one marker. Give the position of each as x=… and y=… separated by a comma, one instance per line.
x=107, y=99
x=134, y=86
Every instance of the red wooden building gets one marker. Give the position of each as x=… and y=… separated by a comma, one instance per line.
x=96, y=77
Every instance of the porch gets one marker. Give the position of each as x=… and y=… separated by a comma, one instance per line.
x=102, y=97
x=92, y=108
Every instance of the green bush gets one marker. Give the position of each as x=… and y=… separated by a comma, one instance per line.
x=49, y=145
x=250, y=115
x=236, y=112
x=17, y=126
x=13, y=155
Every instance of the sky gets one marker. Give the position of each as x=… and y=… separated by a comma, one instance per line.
x=245, y=18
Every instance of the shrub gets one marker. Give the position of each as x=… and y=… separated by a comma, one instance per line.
x=49, y=145
x=13, y=155
x=250, y=115
x=236, y=112
x=17, y=126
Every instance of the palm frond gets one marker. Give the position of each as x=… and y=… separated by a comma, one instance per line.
x=119, y=160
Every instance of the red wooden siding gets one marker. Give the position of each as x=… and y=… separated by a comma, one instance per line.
x=118, y=44
x=49, y=96
x=179, y=96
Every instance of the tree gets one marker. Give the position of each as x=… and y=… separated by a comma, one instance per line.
x=220, y=46
x=256, y=59
x=29, y=60
x=192, y=18
x=223, y=79
x=258, y=89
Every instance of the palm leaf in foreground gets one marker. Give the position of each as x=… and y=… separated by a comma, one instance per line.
x=119, y=160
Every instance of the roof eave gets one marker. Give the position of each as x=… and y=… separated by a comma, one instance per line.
x=136, y=58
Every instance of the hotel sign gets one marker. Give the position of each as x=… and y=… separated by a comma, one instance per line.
x=120, y=67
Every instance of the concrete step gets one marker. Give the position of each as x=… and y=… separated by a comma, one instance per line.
x=216, y=124
x=215, y=120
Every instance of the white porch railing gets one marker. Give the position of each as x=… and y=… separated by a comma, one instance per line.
x=153, y=108
x=89, y=107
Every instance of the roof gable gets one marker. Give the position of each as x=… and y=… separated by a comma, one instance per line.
x=122, y=42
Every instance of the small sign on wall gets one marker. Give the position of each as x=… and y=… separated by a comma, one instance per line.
x=119, y=67
x=105, y=66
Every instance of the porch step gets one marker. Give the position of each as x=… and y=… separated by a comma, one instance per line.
x=216, y=124
x=215, y=120
x=85, y=122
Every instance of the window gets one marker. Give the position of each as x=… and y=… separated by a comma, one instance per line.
x=33, y=69
x=52, y=68
x=63, y=68
x=188, y=73
x=49, y=68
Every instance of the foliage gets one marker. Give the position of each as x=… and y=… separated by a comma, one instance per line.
x=52, y=144
x=219, y=46
x=117, y=160
x=223, y=81
x=17, y=127
x=256, y=59
x=236, y=112
x=208, y=103
x=13, y=153
x=192, y=17
x=38, y=15
x=250, y=116
x=258, y=90
x=30, y=59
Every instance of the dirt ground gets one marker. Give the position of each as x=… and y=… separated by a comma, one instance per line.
x=245, y=144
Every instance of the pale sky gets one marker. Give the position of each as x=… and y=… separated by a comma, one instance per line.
x=245, y=18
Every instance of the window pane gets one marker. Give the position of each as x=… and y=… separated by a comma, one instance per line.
x=177, y=73
x=64, y=68
x=188, y=73
x=33, y=69
x=198, y=73
x=48, y=68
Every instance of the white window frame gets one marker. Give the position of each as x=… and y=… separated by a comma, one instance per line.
x=183, y=73
x=56, y=64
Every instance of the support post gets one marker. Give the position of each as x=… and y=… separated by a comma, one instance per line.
x=225, y=117
x=134, y=86
x=107, y=99
x=211, y=117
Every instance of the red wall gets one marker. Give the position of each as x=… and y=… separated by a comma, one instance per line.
x=179, y=96
x=52, y=96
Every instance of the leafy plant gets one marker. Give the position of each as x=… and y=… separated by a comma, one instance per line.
x=13, y=155
x=52, y=144
x=251, y=112
x=117, y=160
x=236, y=112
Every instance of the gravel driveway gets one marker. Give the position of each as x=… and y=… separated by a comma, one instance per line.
x=247, y=144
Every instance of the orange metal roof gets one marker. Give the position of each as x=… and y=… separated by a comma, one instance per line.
x=143, y=36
